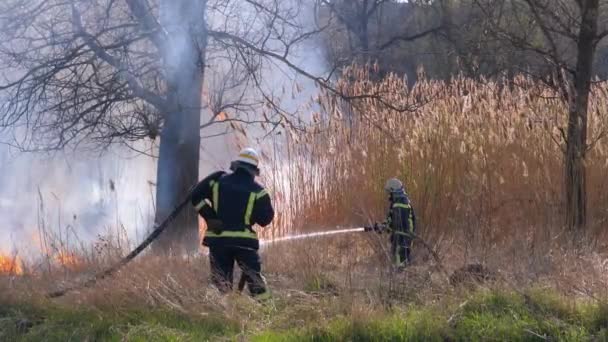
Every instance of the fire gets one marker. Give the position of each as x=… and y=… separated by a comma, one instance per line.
x=69, y=260
x=10, y=265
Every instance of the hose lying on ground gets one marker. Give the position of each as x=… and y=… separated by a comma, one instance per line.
x=111, y=270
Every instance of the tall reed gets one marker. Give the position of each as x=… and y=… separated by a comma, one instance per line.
x=481, y=159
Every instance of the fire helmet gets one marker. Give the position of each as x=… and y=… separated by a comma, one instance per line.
x=249, y=156
x=393, y=185
x=247, y=159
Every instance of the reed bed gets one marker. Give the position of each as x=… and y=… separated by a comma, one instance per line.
x=481, y=159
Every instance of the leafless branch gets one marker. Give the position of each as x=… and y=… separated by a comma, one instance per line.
x=141, y=10
x=409, y=38
x=139, y=91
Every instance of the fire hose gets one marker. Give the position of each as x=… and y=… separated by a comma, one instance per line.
x=158, y=229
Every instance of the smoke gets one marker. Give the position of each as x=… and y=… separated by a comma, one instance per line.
x=77, y=196
x=72, y=196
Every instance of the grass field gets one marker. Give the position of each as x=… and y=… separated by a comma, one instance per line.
x=482, y=315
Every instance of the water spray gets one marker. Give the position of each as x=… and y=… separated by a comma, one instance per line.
x=243, y=279
x=311, y=235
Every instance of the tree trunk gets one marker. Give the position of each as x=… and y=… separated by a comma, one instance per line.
x=178, y=160
x=576, y=192
x=364, y=34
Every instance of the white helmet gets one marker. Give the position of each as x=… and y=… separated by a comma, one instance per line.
x=393, y=185
x=249, y=156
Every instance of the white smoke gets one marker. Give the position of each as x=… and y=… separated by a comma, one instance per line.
x=78, y=196
x=73, y=196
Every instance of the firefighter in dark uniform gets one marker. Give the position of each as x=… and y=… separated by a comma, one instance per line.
x=400, y=223
x=231, y=205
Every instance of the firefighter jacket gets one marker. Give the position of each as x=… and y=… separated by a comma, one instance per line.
x=401, y=219
x=231, y=204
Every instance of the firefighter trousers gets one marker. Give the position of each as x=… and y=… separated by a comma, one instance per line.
x=401, y=249
x=222, y=260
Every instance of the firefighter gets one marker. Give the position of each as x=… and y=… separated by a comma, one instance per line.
x=231, y=204
x=400, y=223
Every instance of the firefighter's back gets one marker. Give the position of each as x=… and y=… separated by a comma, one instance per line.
x=402, y=214
x=239, y=203
x=235, y=192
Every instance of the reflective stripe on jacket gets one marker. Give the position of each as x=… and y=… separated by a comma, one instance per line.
x=401, y=217
x=238, y=202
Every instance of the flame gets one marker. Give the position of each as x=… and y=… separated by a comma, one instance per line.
x=69, y=260
x=10, y=265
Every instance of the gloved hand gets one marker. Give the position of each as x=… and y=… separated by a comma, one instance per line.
x=376, y=227
x=380, y=227
x=215, y=226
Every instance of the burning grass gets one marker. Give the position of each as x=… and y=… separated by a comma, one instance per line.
x=68, y=260
x=10, y=265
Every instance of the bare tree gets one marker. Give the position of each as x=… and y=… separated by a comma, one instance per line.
x=356, y=17
x=373, y=28
x=116, y=71
x=564, y=35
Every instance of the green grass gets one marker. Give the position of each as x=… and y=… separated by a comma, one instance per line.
x=52, y=323
x=319, y=283
x=537, y=315
x=390, y=328
x=486, y=316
